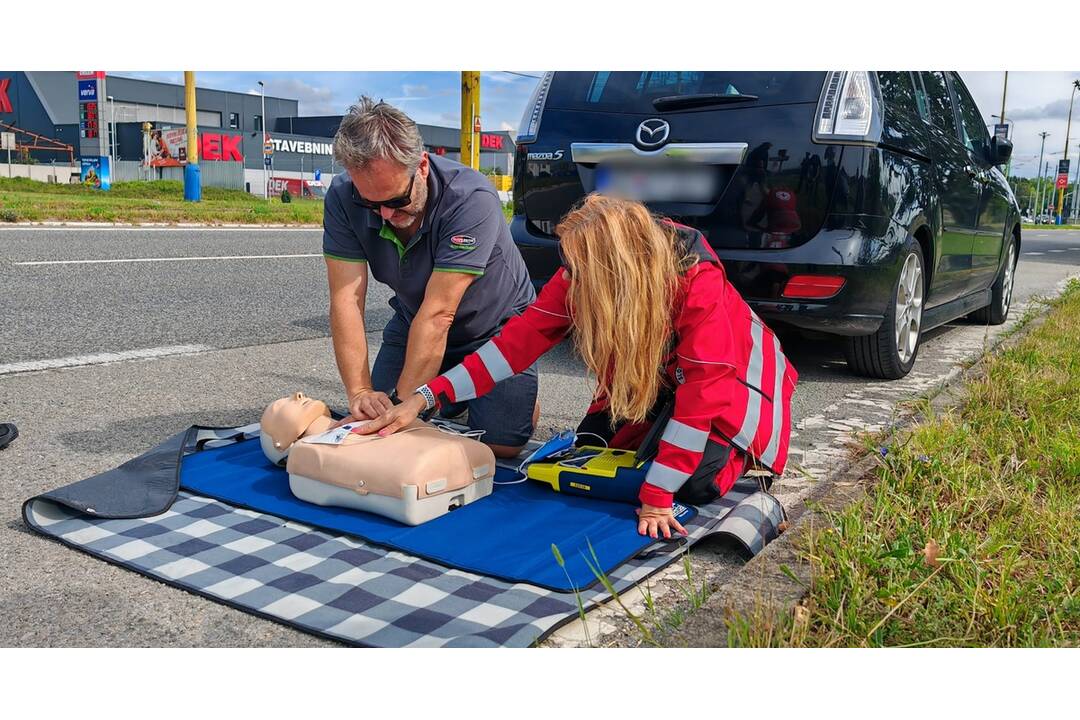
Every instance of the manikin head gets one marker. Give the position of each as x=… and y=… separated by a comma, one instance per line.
x=381, y=149
x=287, y=420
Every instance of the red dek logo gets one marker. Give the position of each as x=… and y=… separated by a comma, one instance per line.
x=491, y=142
x=5, y=102
x=213, y=146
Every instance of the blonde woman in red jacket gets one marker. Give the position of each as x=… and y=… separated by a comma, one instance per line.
x=669, y=340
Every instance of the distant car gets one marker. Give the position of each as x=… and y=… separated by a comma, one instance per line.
x=1044, y=219
x=866, y=205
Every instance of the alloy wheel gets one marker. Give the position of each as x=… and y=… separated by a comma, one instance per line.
x=909, y=305
x=1007, y=281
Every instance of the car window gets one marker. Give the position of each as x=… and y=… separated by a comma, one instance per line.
x=941, y=108
x=922, y=102
x=635, y=91
x=972, y=129
x=898, y=90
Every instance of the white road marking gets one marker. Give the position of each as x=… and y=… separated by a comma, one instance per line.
x=1034, y=253
x=165, y=259
x=1056, y=251
x=101, y=358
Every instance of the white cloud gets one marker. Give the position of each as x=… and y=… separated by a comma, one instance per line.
x=313, y=100
x=1035, y=102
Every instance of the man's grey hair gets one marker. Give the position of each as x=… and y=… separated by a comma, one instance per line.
x=373, y=130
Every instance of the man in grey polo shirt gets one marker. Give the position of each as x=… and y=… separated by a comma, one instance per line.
x=433, y=230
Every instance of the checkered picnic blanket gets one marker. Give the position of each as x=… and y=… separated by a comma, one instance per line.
x=355, y=592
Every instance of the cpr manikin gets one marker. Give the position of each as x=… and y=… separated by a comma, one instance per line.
x=415, y=475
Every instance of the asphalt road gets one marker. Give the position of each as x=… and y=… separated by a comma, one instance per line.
x=135, y=350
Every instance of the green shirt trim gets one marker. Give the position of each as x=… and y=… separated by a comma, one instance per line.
x=344, y=259
x=467, y=271
x=387, y=234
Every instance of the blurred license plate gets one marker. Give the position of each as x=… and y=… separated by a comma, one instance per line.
x=658, y=184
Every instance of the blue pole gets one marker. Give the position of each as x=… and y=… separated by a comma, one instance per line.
x=192, y=183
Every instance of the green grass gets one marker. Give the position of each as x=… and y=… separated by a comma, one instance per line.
x=971, y=534
x=652, y=622
x=1030, y=226
x=22, y=199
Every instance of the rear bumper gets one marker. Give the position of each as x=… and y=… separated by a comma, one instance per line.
x=865, y=252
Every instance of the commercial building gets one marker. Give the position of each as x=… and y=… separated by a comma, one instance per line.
x=230, y=126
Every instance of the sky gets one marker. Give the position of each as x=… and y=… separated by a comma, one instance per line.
x=430, y=98
x=1035, y=101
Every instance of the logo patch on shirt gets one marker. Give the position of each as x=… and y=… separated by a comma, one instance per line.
x=679, y=376
x=463, y=242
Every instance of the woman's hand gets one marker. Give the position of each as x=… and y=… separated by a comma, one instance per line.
x=367, y=404
x=397, y=417
x=654, y=520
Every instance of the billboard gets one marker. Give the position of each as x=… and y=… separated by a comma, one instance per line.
x=95, y=171
x=168, y=148
x=87, y=90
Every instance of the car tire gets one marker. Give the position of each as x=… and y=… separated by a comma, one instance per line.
x=890, y=352
x=1000, y=292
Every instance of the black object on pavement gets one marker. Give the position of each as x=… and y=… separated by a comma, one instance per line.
x=8, y=432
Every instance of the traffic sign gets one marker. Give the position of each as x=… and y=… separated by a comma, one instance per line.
x=1063, y=167
x=267, y=160
x=268, y=147
x=318, y=175
x=1062, y=181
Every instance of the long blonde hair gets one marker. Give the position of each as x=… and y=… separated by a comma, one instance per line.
x=624, y=274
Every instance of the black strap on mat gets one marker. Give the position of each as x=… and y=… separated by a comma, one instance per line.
x=8, y=432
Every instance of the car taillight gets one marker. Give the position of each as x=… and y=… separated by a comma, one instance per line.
x=816, y=287
x=534, y=109
x=846, y=108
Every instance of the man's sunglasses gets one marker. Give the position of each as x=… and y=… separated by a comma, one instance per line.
x=393, y=203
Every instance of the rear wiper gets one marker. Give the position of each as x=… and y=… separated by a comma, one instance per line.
x=671, y=102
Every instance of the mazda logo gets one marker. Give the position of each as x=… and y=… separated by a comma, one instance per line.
x=653, y=132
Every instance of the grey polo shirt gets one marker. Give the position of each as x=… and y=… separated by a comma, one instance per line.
x=463, y=230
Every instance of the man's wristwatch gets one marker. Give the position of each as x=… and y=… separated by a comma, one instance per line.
x=429, y=401
x=394, y=397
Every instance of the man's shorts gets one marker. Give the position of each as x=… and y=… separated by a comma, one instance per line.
x=504, y=414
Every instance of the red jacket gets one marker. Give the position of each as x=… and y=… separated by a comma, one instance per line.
x=732, y=381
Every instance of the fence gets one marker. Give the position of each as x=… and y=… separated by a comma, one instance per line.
x=223, y=174
x=42, y=173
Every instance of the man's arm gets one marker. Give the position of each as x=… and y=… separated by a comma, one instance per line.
x=429, y=329
x=348, y=291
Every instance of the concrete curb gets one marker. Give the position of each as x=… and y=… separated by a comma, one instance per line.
x=773, y=582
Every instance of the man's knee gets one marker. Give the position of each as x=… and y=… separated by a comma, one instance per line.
x=506, y=452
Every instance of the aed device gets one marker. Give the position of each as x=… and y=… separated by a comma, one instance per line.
x=605, y=473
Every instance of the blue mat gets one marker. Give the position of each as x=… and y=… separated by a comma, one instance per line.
x=507, y=535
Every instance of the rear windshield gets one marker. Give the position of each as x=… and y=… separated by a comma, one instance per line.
x=633, y=92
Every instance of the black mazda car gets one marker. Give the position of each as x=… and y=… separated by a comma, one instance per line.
x=865, y=205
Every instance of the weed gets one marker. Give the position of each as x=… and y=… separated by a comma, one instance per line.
x=969, y=535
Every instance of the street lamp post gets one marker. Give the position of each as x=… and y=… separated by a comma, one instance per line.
x=1038, y=186
x=1076, y=193
x=1068, y=127
x=262, y=129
